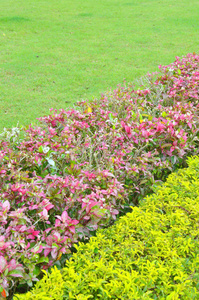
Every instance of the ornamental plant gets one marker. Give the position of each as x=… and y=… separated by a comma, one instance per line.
x=79, y=169
x=151, y=253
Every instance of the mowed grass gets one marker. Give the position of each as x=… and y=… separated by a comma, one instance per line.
x=54, y=53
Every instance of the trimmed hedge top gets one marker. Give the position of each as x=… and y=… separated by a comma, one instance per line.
x=151, y=253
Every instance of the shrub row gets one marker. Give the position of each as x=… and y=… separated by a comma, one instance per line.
x=75, y=172
x=151, y=253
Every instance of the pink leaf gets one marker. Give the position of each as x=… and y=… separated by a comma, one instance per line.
x=3, y=263
x=6, y=205
x=115, y=212
x=72, y=229
x=46, y=251
x=54, y=253
x=64, y=217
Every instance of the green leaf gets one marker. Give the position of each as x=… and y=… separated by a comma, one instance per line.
x=173, y=159
x=95, y=207
x=15, y=273
x=29, y=282
x=167, y=145
x=6, y=272
x=143, y=181
x=40, y=150
x=36, y=248
x=101, y=211
x=96, y=250
x=164, y=114
x=111, y=117
x=43, y=259
x=179, y=71
x=133, y=114
x=36, y=271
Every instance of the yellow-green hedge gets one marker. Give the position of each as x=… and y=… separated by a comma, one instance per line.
x=151, y=253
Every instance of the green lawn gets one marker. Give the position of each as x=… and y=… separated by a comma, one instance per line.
x=54, y=53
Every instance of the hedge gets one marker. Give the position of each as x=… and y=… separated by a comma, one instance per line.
x=151, y=253
x=81, y=169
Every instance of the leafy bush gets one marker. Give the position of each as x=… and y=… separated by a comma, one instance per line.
x=53, y=287
x=151, y=253
x=75, y=172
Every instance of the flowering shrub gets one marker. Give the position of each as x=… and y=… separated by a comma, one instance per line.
x=77, y=170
